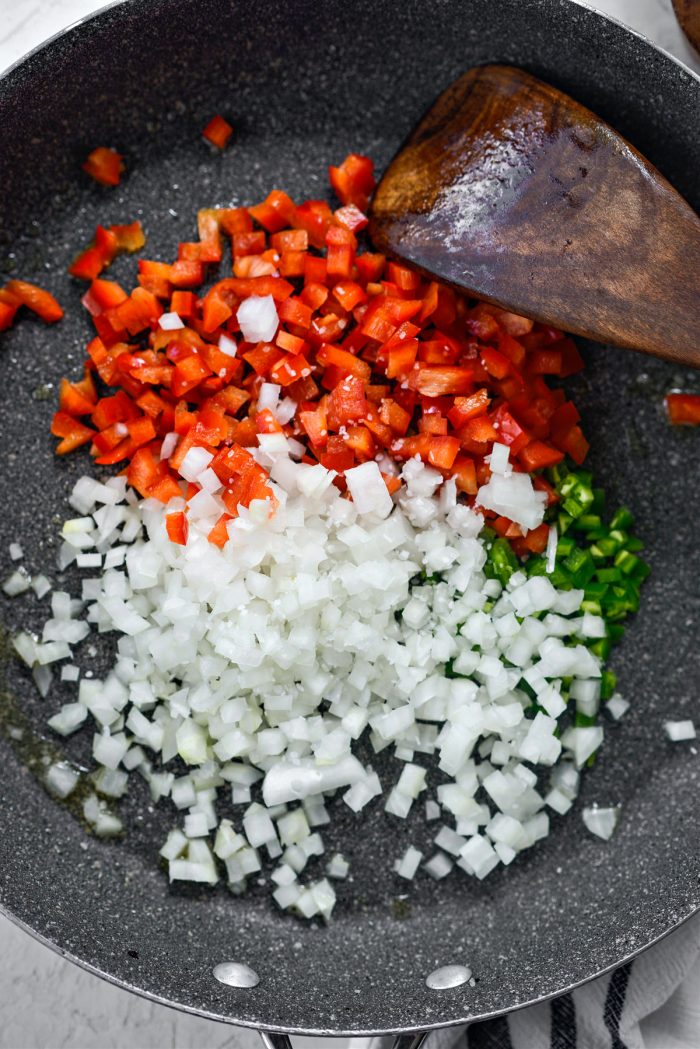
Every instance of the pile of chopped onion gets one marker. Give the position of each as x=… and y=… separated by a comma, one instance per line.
x=260, y=665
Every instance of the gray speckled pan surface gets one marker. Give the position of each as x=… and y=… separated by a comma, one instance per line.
x=304, y=84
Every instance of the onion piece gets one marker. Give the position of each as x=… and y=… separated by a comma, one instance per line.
x=601, y=821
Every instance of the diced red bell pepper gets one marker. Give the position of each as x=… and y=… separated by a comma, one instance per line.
x=105, y=166
x=345, y=362
x=184, y=303
x=435, y=382
x=143, y=471
x=464, y=472
x=73, y=401
x=275, y=213
x=433, y=423
x=277, y=287
x=496, y=363
x=465, y=408
x=117, y=408
x=350, y=217
x=252, y=242
x=349, y=294
x=442, y=451
x=537, y=455
x=219, y=533
x=151, y=404
x=36, y=299
x=547, y=361
x=296, y=312
x=186, y=274
x=683, y=408
x=88, y=265
x=215, y=310
x=9, y=305
x=289, y=369
x=353, y=181
x=347, y=403
x=510, y=431
x=165, y=489
x=155, y=277
x=315, y=423
x=188, y=373
x=130, y=237
x=571, y=360
x=263, y=358
x=536, y=540
x=141, y=431
x=73, y=432
x=337, y=456
x=401, y=359
x=315, y=217
x=562, y=420
x=177, y=528
x=290, y=343
x=512, y=323
x=575, y=445
x=218, y=131
x=370, y=265
x=478, y=430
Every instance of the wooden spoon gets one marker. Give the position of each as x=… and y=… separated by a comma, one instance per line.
x=512, y=191
x=688, y=14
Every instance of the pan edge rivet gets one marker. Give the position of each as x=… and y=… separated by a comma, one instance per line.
x=235, y=974
x=448, y=976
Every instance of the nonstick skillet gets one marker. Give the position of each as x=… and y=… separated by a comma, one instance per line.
x=305, y=83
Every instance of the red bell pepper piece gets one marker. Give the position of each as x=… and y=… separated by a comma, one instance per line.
x=683, y=408
x=74, y=401
x=370, y=266
x=350, y=217
x=275, y=213
x=177, y=528
x=434, y=382
x=536, y=455
x=218, y=131
x=105, y=166
x=36, y=299
x=73, y=432
x=464, y=472
x=353, y=181
x=314, y=216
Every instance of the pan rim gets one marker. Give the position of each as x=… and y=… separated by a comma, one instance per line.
x=323, y=1032
x=114, y=4
x=7, y=78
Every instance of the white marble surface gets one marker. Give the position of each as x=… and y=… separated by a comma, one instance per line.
x=45, y=1002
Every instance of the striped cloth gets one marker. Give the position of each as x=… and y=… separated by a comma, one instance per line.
x=652, y=1002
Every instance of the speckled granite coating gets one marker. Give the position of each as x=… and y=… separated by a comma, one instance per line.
x=303, y=91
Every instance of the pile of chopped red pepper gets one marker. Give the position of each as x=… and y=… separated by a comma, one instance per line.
x=380, y=362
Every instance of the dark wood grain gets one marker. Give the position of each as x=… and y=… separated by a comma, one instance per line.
x=513, y=191
x=688, y=14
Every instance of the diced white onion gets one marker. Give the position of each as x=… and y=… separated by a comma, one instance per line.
x=170, y=322
x=601, y=821
x=257, y=317
x=677, y=731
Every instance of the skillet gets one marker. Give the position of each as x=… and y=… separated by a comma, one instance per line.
x=305, y=84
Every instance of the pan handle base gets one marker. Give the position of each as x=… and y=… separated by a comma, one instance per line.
x=271, y=1040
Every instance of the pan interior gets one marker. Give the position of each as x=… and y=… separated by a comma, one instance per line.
x=304, y=86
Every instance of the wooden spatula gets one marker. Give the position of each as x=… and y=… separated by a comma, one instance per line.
x=688, y=14
x=511, y=190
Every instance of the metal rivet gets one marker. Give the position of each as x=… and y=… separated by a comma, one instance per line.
x=448, y=976
x=235, y=974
